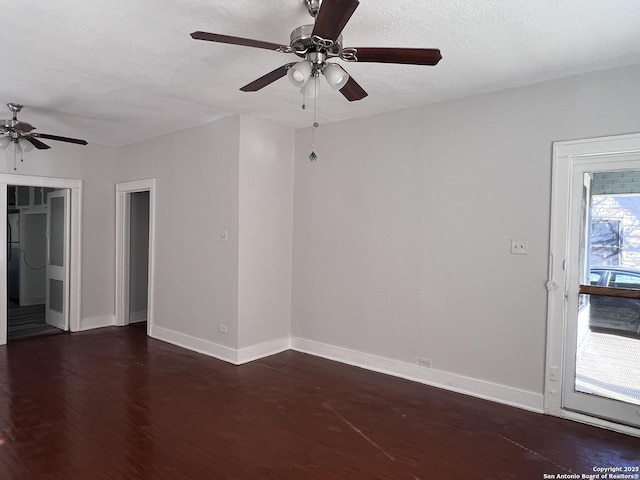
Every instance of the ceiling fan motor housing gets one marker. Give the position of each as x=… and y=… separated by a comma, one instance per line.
x=302, y=42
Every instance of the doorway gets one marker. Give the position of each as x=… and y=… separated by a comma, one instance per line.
x=593, y=343
x=58, y=262
x=135, y=215
x=35, y=227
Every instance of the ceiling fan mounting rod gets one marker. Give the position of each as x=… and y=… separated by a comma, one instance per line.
x=312, y=6
x=14, y=108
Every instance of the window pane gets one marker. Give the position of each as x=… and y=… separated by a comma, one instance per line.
x=56, y=295
x=56, y=245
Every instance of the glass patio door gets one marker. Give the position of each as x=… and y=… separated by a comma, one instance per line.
x=601, y=375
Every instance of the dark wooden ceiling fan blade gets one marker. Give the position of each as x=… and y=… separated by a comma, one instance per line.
x=352, y=91
x=36, y=143
x=267, y=79
x=411, y=56
x=333, y=17
x=247, y=42
x=23, y=127
x=59, y=139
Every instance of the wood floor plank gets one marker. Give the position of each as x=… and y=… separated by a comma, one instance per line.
x=115, y=404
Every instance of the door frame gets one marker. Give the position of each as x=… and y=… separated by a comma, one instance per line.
x=75, y=244
x=618, y=149
x=123, y=198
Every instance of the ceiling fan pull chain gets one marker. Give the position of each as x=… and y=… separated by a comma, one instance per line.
x=313, y=157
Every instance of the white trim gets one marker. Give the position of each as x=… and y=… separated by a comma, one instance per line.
x=123, y=191
x=598, y=422
x=75, y=187
x=617, y=151
x=196, y=344
x=261, y=350
x=3, y=264
x=89, y=323
x=221, y=352
x=122, y=256
x=616, y=144
x=503, y=394
x=437, y=378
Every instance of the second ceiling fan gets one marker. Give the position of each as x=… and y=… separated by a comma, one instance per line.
x=320, y=42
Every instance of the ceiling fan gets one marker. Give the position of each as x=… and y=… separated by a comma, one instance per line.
x=320, y=42
x=21, y=136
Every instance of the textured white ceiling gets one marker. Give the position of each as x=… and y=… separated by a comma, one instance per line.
x=116, y=72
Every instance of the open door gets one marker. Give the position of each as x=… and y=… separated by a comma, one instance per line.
x=593, y=335
x=58, y=254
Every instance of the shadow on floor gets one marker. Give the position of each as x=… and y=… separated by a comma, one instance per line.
x=27, y=321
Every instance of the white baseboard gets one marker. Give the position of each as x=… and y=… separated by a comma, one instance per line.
x=196, y=344
x=90, y=323
x=437, y=378
x=221, y=352
x=265, y=349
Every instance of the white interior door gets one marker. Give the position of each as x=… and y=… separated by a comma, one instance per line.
x=58, y=254
x=32, y=256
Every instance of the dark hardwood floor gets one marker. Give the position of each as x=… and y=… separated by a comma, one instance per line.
x=114, y=404
x=27, y=321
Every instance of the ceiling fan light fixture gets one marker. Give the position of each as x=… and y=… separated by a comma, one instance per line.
x=335, y=75
x=26, y=145
x=5, y=142
x=300, y=73
x=14, y=155
x=311, y=88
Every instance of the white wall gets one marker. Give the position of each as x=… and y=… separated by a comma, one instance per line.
x=400, y=231
x=95, y=165
x=232, y=175
x=402, y=228
x=266, y=223
x=196, y=274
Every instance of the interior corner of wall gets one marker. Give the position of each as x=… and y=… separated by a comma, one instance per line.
x=90, y=323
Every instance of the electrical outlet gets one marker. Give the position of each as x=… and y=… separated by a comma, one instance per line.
x=222, y=328
x=425, y=362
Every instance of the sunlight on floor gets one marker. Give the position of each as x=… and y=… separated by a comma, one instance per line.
x=609, y=365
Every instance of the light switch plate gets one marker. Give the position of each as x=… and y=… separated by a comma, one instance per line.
x=518, y=247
